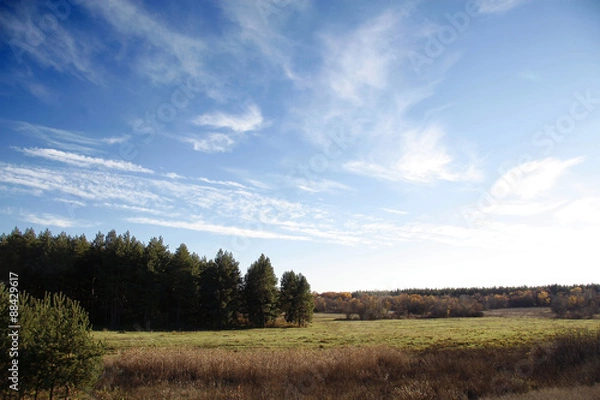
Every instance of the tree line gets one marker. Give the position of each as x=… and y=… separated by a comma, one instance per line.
x=125, y=284
x=576, y=301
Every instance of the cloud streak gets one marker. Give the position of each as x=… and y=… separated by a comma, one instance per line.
x=52, y=220
x=62, y=138
x=498, y=6
x=84, y=161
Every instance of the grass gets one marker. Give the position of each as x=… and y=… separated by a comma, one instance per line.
x=378, y=372
x=330, y=331
x=413, y=359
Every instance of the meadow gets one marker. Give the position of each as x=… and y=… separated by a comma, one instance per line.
x=333, y=331
x=462, y=358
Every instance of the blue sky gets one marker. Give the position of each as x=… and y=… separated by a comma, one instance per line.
x=368, y=145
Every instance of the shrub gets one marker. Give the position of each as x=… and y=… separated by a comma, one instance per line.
x=56, y=349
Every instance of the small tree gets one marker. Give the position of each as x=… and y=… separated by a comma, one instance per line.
x=57, y=350
x=260, y=292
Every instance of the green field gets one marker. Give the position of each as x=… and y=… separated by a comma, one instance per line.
x=329, y=331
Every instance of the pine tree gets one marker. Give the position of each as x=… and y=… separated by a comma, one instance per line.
x=182, y=286
x=296, y=299
x=287, y=292
x=220, y=291
x=260, y=292
x=57, y=350
x=304, y=302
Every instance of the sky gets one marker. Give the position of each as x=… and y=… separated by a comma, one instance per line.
x=365, y=144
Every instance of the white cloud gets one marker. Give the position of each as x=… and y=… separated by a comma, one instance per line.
x=172, y=175
x=423, y=159
x=362, y=60
x=227, y=203
x=528, y=190
x=202, y=226
x=213, y=143
x=251, y=120
x=82, y=184
x=498, y=6
x=361, y=97
x=314, y=185
x=362, y=88
x=236, y=124
x=84, y=161
x=531, y=179
x=51, y=220
x=393, y=211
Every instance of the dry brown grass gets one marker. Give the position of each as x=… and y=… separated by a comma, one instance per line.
x=348, y=373
x=572, y=393
x=351, y=372
x=571, y=361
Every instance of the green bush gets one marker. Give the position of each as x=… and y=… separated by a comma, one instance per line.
x=56, y=350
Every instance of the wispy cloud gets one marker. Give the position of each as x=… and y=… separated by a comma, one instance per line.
x=250, y=120
x=52, y=220
x=527, y=190
x=81, y=184
x=235, y=126
x=64, y=50
x=423, y=159
x=202, y=226
x=84, y=161
x=261, y=24
x=498, y=6
x=169, y=54
x=393, y=211
x=531, y=179
x=62, y=138
x=363, y=60
x=364, y=92
x=215, y=142
x=321, y=186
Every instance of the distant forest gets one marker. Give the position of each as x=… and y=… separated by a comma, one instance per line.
x=124, y=284
x=574, y=301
